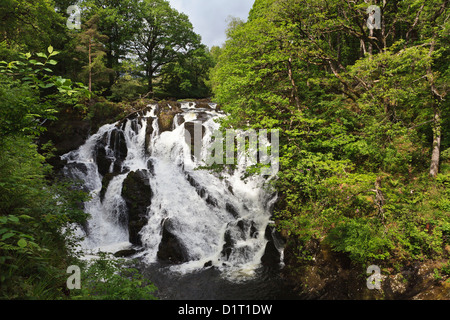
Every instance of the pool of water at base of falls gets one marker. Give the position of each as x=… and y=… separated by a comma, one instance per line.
x=211, y=284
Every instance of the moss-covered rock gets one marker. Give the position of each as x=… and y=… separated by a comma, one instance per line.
x=165, y=121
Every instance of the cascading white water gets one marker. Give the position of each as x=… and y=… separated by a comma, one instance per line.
x=218, y=221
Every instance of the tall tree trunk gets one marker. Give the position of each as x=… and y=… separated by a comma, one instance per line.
x=150, y=83
x=90, y=65
x=437, y=132
x=435, y=155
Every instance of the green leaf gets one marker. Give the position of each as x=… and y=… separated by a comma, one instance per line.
x=22, y=243
x=50, y=49
x=7, y=235
x=54, y=53
x=42, y=55
x=13, y=218
x=52, y=62
x=46, y=86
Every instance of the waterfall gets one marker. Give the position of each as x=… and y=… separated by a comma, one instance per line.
x=147, y=192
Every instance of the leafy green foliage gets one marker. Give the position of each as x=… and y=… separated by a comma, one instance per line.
x=27, y=89
x=188, y=76
x=32, y=211
x=356, y=115
x=107, y=278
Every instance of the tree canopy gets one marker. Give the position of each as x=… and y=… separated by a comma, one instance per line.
x=363, y=115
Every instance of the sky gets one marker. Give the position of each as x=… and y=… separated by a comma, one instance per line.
x=209, y=17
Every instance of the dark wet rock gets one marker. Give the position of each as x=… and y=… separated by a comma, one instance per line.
x=232, y=210
x=180, y=120
x=111, y=150
x=148, y=133
x=151, y=166
x=171, y=250
x=76, y=166
x=118, y=145
x=203, y=116
x=105, y=184
x=240, y=230
x=150, y=107
x=195, y=184
x=228, y=245
x=102, y=159
x=190, y=127
x=211, y=201
x=247, y=227
x=136, y=124
x=208, y=264
x=137, y=194
x=125, y=253
x=272, y=256
x=192, y=139
x=201, y=191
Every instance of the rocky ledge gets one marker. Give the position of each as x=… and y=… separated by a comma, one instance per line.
x=333, y=276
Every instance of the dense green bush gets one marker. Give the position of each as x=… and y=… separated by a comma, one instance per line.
x=33, y=251
x=108, y=278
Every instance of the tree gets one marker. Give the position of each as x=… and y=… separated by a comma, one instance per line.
x=29, y=26
x=117, y=21
x=188, y=76
x=164, y=35
x=92, y=44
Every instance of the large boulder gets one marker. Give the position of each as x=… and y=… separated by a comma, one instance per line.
x=272, y=256
x=137, y=193
x=171, y=249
